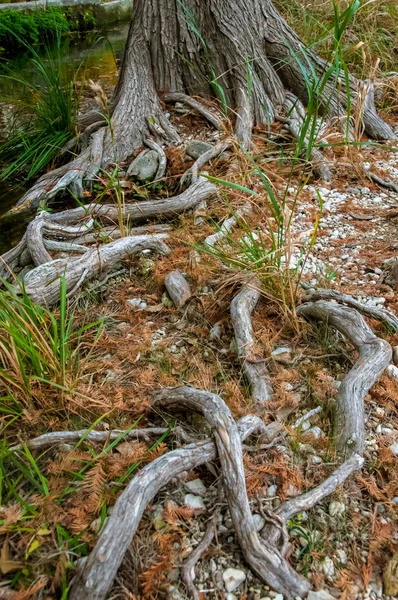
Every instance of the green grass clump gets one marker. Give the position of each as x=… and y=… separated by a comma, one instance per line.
x=38, y=348
x=49, y=111
x=31, y=27
x=372, y=33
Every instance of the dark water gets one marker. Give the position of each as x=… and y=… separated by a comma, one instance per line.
x=101, y=53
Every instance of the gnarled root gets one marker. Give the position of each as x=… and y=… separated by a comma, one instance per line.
x=255, y=369
x=98, y=573
x=42, y=283
x=264, y=560
x=381, y=314
x=374, y=357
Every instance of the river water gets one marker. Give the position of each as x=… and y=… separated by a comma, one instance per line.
x=101, y=53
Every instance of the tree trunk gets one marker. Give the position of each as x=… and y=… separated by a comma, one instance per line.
x=240, y=50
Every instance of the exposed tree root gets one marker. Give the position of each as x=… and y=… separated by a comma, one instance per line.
x=99, y=571
x=255, y=370
x=188, y=568
x=66, y=437
x=374, y=357
x=160, y=173
x=385, y=183
x=381, y=314
x=42, y=283
x=227, y=226
x=286, y=511
x=59, y=224
x=264, y=560
x=215, y=120
x=191, y=174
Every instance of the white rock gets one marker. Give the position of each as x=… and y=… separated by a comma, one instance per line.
x=394, y=448
x=272, y=490
x=233, y=578
x=259, y=522
x=230, y=597
x=328, y=567
x=316, y=460
x=278, y=597
x=316, y=432
x=392, y=372
x=320, y=595
x=196, y=486
x=342, y=556
x=193, y=501
x=336, y=508
x=134, y=302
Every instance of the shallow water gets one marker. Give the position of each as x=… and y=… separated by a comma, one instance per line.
x=101, y=53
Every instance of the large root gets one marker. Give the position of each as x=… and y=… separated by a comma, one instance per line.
x=254, y=368
x=374, y=357
x=374, y=312
x=42, y=283
x=97, y=574
x=96, y=577
x=78, y=223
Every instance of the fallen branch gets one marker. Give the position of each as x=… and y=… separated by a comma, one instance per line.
x=184, y=99
x=381, y=314
x=242, y=307
x=96, y=577
x=374, y=357
x=385, y=183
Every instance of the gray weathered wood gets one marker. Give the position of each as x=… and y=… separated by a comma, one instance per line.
x=178, y=288
x=374, y=357
x=96, y=577
x=255, y=369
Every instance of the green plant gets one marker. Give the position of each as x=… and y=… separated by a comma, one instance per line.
x=49, y=114
x=37, y=348
x=18, y=28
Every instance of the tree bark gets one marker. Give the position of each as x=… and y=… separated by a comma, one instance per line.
x=239, y=50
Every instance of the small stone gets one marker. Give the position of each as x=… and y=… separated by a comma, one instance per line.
x=342, y=556
x=394, y=448
x=395, y=499
x=196, y=486
x=134, y=302
x=233, y=578
x=215, y=332
x=392, y=372
x=320, y=595
x=282, y=355
x=278, y=597
x=272, y=491
x=259, y=522
x=316, y=432
x=230, y=597
x=336, y=509
x=194, y=502
x=178, y=288
x=328, y=567
x=145, y=166
x=196, y=148
x=316, y=460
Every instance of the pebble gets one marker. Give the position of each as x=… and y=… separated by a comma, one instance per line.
x=137, y=303
x=233, y=578
x=316, y=460
x=394, y=448
x=342, y=556
x=259, y=522
x=196, y=486
x=336, y=508
x=272, y=491
x=194, y=502
x=328, y=567
x=320, y=595
x=178, y=288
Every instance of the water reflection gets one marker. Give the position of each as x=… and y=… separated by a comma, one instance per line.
x=101, y=53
